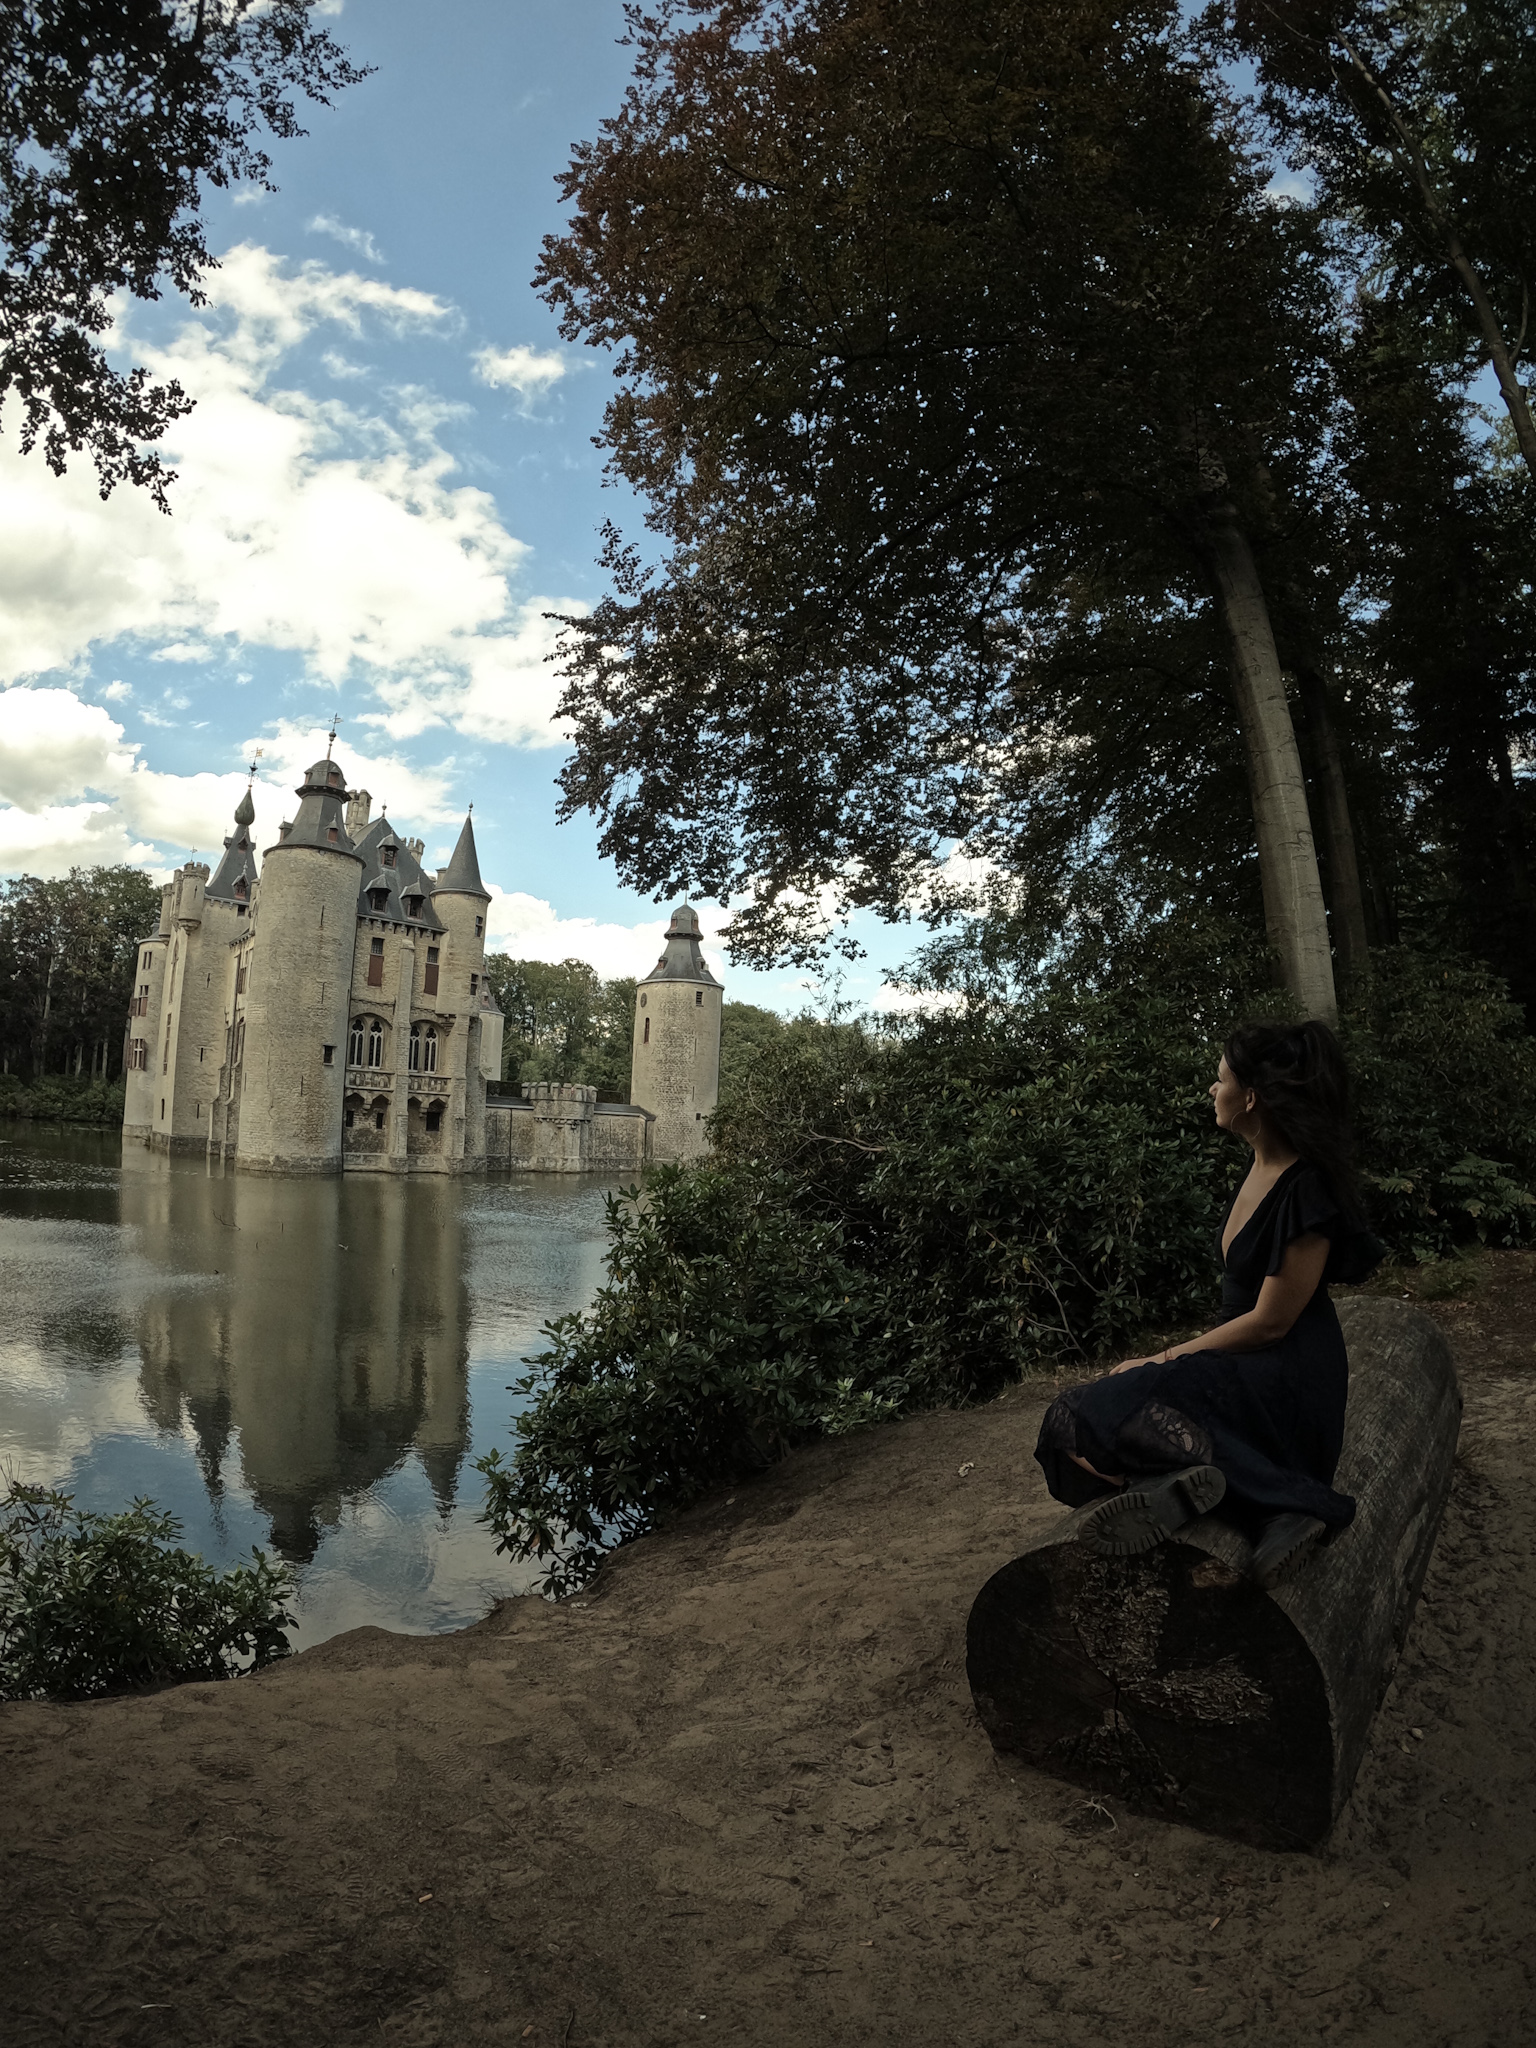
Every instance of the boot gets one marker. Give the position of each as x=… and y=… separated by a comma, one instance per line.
x=1147, y=1511
x=1284, y=1544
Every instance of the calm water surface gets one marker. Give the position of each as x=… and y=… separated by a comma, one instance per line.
x=309, y=1365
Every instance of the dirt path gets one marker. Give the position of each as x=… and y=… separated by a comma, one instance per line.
x=739, y=1795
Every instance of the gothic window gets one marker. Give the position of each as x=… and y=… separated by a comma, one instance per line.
x=355, y=1043
x=429, y=979
x=375, y=1042
x=647, y=1037
x=376, y=963
x=429, y=1050
x=415, y=1048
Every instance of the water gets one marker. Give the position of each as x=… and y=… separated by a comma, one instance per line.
x=309, y=1365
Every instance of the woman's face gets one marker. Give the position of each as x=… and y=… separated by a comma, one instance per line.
x=1233, y=1101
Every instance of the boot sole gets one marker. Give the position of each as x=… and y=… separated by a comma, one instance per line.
x=1290, y=1560
x=1146, y=1515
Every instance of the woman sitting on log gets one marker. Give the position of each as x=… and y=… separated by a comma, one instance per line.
x=1251, y=1413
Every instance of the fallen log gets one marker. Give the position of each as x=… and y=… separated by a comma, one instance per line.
x=1173, y=1681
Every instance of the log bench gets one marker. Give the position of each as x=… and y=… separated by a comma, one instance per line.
x=1173, y=1681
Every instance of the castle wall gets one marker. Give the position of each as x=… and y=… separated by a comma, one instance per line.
x=563, y=1128
x=675, y=1066
x=194, y=1058
x=146, y=1022
x=296, y=1006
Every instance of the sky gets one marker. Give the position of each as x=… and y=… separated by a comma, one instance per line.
x=387, y=482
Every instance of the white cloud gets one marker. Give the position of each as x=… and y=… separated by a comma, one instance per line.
x=354, y=238
x=301, y=524
x=528, y=371
x=896, y=999
x=73, y=791
x=117, y=693
x=530, y=929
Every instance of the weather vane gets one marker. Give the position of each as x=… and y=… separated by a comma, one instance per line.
x=335, y=721
x=251, y=771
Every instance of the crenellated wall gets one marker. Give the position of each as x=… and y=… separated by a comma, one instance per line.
x=561, y=1127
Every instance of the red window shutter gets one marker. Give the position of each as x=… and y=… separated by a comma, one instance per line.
x=375, y=970
x=429, y=981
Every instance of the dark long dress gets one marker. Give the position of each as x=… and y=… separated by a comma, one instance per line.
x=1271, y=1420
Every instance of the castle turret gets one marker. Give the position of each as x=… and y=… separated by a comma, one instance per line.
x=461, y=900
x=675, y=1066
x=299, y=987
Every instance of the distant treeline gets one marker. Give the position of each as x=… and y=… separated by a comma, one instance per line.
x=566, y=1023
x=67, y=951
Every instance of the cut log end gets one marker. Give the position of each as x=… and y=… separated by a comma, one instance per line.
x=1172, y=1680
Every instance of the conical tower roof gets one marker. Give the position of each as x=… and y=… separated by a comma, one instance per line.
x=461, y=877
x=235, y=876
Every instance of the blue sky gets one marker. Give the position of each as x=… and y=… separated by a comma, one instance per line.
x=389, y=478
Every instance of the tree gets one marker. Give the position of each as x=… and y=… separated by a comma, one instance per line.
x=67, y=954
x=115, y=114
x=927, y=314
x=564, y=1023
x=1418, y=121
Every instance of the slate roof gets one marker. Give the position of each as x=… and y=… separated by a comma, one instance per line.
x=239, y=862
x=461, y=877
x=405, y=878
x=683, y=958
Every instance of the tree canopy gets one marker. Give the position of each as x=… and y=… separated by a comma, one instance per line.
x=67, y=952
x=115, y=114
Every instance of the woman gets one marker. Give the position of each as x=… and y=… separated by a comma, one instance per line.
x=1252, y=1412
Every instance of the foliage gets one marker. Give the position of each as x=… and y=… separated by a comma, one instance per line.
x=944, y=328
x=92, y=1604
x=61, y=1098
x=731, y=1328
x=564, y=1023
x=115, y=112
x=1445, y=1082
x=67, y=954
x=899, y=1220
x=1415, y=119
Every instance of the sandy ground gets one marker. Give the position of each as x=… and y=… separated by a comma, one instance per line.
x=739, y=1794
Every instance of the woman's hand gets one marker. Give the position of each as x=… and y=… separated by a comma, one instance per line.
x=1133, y=1365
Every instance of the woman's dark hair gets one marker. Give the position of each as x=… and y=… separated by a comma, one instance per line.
x=1297, y=1071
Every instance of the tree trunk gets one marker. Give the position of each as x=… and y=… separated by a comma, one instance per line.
x=1172, y=1681
x=1346, y=897
x=1294, y=913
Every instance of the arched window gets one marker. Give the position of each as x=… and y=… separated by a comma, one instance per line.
x=415, y=1048
x=647, y=1038
x=355, y=1043
x=375, y=1042
x=429, y=1050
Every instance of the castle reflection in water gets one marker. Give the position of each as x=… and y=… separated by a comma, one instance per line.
x=324, y=1322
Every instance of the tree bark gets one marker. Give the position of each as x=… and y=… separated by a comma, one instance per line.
x=1172, y=1681
x=1346, y=896
x=1294, y=914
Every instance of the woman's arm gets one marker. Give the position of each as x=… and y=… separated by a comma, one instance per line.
x=1281, y=1300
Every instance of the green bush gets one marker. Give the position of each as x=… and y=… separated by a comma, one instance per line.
x=61, y=1098
x=893, y=1221
x=1445, y=1088
x=93, y=1604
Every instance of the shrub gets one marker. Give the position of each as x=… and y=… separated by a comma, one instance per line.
x=62, y=1098
x=915, y=1219
x=92, y=1604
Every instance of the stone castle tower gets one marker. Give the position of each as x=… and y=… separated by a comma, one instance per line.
x=328, y=1013
x=675, y=1067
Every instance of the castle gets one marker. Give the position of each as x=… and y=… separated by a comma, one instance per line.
x=329, y=1012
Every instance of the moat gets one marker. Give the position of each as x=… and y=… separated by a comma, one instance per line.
x=312, y=1365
